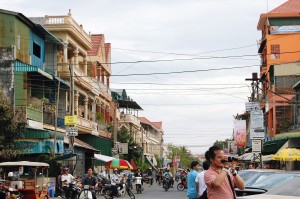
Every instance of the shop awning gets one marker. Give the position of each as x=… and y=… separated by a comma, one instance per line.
x=272, y=147
x=22, y=67
x=287, y=135
x=103, y=158
x=151, y=159
x=30, y=133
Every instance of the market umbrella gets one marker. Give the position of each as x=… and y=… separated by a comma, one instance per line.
x=289, y=154
x=132, y=164
x=119, y=164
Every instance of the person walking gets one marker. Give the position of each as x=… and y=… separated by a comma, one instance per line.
x=200, y=184
x=91, y=181
x=191, y=184
x=221, y=180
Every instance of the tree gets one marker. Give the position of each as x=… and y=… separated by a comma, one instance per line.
x=11, y=127
x=185, y=156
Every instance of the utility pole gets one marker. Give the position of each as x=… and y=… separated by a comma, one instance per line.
x=115, y=126
x=55, y=118
x=255, y=98
x=71, y=138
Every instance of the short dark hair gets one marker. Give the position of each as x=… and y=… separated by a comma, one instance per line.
x=90, y=168
x=194, y=163
x=210, y=154
x=206, y=165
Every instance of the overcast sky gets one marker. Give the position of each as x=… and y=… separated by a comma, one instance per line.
x=196, y=108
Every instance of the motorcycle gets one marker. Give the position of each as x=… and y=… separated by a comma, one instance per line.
x=167, y=183
x=138, y=185
x=85, y=193
x=10, y=194
x=182, y=185
x=123, y=188
x=73, y=189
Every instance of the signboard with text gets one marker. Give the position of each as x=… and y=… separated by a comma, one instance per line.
x=257, y=124
x=71, y=120
x=240, y=135
x=256, y=146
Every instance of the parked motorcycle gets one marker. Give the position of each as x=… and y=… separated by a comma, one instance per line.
x=122, y=190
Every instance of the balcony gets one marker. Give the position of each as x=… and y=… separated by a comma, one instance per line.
x=31, y=113
x=67, y=23
x=90, y=127
x=127, y=118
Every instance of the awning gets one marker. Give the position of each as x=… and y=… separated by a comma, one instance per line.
x=248, y=157
x=287, y=135
x=272, y=147
x=129, y=104
x=80, y=143
x=30, y=133
x=283, y=97
x=152, y=162
x=103, y=158
x=22, y=67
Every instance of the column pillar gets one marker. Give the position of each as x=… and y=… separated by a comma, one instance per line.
x=107, y=81
x=94, y=110
x=76, y=96
x=65, y=58
x=76, y=52
x=86, y=102
x=99, y=73
x=102, y=77
x=85, y=65
x=60, y=56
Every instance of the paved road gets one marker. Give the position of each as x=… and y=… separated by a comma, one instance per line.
x=156, y=192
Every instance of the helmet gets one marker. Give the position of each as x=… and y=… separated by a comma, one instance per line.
x=116, y=169
x=66, y=169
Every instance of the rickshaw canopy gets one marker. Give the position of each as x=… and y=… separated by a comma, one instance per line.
x=24, y=163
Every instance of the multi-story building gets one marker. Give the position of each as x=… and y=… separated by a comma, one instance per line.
x=280, y=74
x=152, y=139
x=89, y=56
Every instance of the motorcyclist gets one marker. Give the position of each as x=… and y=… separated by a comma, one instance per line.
x=150, y=175
x=3, y=190
x=66, y=179
x=91, y=181
x=159, y=176
x=115, y=181
x=168, y=174
x=139, y=174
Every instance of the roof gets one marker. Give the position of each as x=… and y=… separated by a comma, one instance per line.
x=129, y=104
x=156, y=125
x=19, y=16
x=96, y=40
x=290, y=8
x=81, y=144
x=272, y=147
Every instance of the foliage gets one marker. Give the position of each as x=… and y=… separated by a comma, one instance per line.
x=11, y=128
x=185, y=156
x=134, y=151
x=99, y=117
x=159, y=161
x=221, y=144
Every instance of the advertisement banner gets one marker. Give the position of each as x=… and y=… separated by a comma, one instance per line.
x=232, y=149
x=239, y=131
x=257, y=124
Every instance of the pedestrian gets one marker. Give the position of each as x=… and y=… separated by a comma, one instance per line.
x=200, y=184
x=250, y=166
x=191, y=184
x=221, y=180
x=91, y=181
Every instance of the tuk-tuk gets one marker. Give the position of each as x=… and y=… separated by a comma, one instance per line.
x=27, y=177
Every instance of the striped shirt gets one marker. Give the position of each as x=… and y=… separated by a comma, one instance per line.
x=221, y=192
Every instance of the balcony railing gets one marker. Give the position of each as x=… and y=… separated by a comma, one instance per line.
x=67, y=20
x=93, y=127
x=130, y=119
x=31, y=113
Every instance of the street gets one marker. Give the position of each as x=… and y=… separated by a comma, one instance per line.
x=156, y=191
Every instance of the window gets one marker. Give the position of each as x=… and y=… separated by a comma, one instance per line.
x=275, y=51
x=36, y=50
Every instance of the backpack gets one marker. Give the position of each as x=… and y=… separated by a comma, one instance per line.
x=204, y=195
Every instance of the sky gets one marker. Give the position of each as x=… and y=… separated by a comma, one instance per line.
x=206, y=48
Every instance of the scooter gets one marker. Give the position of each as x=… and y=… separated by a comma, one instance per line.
x=167, y=183
x=85, y=193
x=122, y=190
x=182, y=185
x=138, y=184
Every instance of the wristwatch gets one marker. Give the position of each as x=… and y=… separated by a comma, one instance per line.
x=224, y=169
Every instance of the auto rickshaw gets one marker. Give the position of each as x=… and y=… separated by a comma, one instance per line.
x=27, y=177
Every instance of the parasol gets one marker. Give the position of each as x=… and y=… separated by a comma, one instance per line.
x=119, y=164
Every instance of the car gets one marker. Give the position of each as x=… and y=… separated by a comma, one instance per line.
x=272, y=181
x=246, y=174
